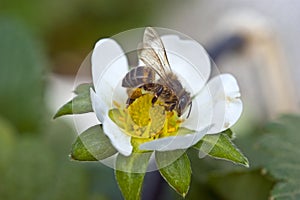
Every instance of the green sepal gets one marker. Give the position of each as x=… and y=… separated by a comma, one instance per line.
x=229, y=133
x=130, y=172
x=81, y=103
x=220, y=146
x=83, y=88
x=92, y=145
x=177, y=172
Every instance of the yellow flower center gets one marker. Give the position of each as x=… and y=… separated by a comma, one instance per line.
x=145, y=121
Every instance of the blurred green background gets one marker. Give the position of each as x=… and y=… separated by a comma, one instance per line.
x=42, y=43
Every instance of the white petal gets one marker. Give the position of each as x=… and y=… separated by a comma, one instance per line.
x=217, y=104
x=234, y=105
x=189, y=60
x=120, y=95
x=174, y=142
x=233, y=113
x=119, y=140
x=203, y=107
x=109, y=66
x=99, y=107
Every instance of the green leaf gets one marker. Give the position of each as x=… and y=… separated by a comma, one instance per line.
x=178, y=173
x=79, y=104
x=279, y=151
x=130, y=172
x=83, y=88
x=220, y=146
x=92, y=145
x=22, y=77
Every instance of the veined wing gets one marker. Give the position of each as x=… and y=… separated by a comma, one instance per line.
x=153, y=54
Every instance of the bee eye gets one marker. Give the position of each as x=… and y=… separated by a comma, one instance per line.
x=182, y=102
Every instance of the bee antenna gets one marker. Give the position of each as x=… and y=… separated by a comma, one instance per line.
x=189, y=110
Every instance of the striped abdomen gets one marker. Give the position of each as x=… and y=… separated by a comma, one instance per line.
x=138, y=76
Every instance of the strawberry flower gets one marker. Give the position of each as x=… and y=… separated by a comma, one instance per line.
x=216, y=103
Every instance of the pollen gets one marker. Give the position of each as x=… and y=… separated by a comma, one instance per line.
x=139, y=110
x=145, y=121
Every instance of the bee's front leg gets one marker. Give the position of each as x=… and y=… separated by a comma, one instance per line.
x=158, y=90
x=133, y=94
x=130, y=101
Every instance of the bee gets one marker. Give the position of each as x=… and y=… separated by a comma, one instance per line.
x=166, y=87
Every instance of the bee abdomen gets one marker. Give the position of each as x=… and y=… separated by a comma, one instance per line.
x=138, y=76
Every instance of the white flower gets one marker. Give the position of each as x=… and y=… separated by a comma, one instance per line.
x=216, y=105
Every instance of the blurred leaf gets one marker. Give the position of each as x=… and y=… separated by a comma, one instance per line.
x=280, y=152
x=130, y=172
x=247, y=185
x=7, y=142
x=34, y=173
x=59, y=136
x=178, y=172
x=92, y=145
x=21, y=77
x=79, y=104
x=102, y=181
x=200, y=191
x=220, y=146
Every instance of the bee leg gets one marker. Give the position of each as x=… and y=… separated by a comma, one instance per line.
x=157, y=93
x=173, y=105
x=170, y=106
x=129, y=101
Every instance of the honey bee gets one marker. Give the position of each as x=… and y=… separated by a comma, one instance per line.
x=166, y=87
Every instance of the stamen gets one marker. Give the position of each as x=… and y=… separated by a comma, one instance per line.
x=145, y=121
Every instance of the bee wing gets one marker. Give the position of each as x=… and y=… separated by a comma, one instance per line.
x=152, y=52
